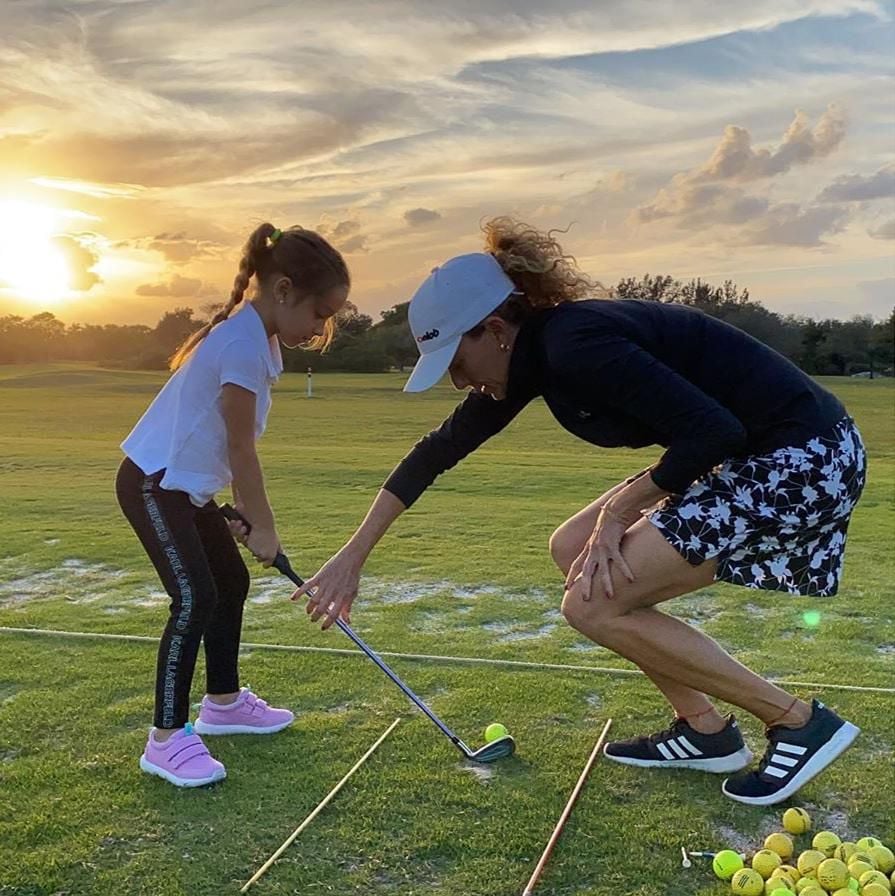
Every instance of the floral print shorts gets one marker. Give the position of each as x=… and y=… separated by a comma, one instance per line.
x=775, y=521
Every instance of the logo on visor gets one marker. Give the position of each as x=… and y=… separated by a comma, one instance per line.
x=429, y=334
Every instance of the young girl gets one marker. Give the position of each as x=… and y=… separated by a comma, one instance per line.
x=196, y=437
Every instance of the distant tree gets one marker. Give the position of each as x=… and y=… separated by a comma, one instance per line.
x=661, y=288
x=814, y=334
x=13, y=347
x=173, y=328
x=394, y=337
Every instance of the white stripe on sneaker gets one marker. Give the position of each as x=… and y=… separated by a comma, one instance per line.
x=776, y=772
x=795, y=749
x=784, y=760
x=688, y=746
x=679, y=751
x=665, y=751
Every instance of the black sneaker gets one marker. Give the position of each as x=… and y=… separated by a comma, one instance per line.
x=793, y=757
x=681, y=746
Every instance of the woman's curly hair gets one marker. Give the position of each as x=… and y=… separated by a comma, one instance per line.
x=537, y=264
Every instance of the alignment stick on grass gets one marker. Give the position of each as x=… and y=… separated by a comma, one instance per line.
x=319, y=808
x=530, y=886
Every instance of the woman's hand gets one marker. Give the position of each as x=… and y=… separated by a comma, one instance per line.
x=601, y=550
x=332, y=591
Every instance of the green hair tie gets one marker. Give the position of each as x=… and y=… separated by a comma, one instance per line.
x=277, y=233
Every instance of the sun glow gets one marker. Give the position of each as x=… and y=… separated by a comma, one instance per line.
x=31, y=264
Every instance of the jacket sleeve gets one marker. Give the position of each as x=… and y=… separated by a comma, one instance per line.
x=475, y=420
x=594, y=364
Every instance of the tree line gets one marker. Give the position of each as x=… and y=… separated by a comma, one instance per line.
x=861, y=345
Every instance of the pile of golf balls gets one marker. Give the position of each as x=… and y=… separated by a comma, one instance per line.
x=822, y=865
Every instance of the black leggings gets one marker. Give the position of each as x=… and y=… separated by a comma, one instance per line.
x=205, y=577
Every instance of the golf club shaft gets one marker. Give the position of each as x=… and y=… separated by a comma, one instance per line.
x=282, y=564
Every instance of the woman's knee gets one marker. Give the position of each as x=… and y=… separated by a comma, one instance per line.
x=593, y=617
x=564, y=548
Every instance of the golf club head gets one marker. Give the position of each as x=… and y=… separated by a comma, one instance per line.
x=497, y=749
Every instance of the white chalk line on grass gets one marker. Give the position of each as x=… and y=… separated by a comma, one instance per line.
x=429, y=657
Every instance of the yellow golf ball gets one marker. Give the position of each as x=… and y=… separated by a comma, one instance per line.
x=781, y=891
x=809, y=860
x=875, y=877
x=726, y=863
x=495, y=731
x=884, y=858
x=813, y=890
x=832, y=874
x=780, y=844
x=874, y=889
x=792, y=873
x=778, y=879
x=856, y=868
x=845, y=850
x=796, y=821
x=747, y=882
x=765, y=861
x=826, y=842
x=869, y=842
x=862, y=855
x=808, y=885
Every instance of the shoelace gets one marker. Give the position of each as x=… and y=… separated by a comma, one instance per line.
x=669, y=732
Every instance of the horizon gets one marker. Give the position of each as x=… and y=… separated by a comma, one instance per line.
x=141, y=143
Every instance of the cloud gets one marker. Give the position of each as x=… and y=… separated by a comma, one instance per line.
x=703, y=189
x=885, y=231
x=470, y=108
x=695, y=205
x=735, y=159
x=417, y=217
x=789, y=224
x=858, y=188
x=354, y=245
x=711, y=195
x=96, y=191
x=345, y=236
x=179, y=248
x=80, y=259
x=177, y=287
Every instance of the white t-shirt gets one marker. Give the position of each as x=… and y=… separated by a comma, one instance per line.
x=183, y=431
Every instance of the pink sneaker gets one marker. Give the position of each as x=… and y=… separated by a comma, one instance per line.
x=249, y=714
x=182, y=759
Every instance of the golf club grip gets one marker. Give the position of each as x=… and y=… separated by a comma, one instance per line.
x=280, y=562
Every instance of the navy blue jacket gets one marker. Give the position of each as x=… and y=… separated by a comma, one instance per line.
x=635, y=373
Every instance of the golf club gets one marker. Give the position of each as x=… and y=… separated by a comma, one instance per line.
x=490, y=752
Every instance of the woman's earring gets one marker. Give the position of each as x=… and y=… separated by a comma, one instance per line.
x=504, y=347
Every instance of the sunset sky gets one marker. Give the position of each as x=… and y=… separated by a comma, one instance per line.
x=142, y=140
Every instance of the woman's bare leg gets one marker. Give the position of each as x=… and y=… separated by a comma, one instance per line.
x=693, y=665
x=660, y=574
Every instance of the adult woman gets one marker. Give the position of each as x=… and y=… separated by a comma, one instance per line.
x=761, y=470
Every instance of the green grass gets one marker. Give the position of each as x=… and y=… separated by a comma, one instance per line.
x=77, y=817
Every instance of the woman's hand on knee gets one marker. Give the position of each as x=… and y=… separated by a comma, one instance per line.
x=603, y=549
